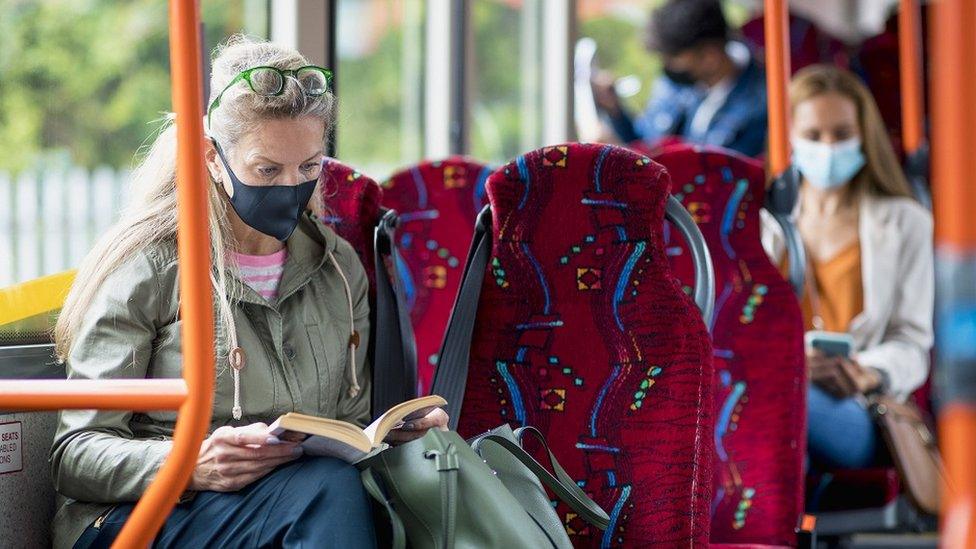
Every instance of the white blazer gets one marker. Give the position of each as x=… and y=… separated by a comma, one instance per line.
x=894, y=331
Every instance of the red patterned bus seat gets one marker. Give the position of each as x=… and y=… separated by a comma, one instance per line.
x=583, y=332
x=437, y=203
x=351, y=204
x=758, y=349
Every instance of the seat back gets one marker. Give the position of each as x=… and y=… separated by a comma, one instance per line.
x=25, y=444
x=758, y=344
x=877, y=64
x=808, y=44
x=582, y=331
x=28, y=312
x=352, y=208
x=436, y=203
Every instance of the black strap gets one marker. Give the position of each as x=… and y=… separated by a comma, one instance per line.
x=917, y=172
x=560, y=483
x=451, y=375
x=395, y=355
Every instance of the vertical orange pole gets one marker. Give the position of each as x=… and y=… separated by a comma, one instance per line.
x=776, y=22
x=195, y=293
x=954, y=163
x=910, y=61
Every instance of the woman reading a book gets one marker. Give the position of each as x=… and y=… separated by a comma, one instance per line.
x=291, y=308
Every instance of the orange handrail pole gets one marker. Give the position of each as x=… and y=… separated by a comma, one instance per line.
x=910, y=70
x=776, y=23
x=193, y=246
x=84, y=394
x=954, y=198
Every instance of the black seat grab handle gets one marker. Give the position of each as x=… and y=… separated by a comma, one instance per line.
x=395, y=355
x=704, y=292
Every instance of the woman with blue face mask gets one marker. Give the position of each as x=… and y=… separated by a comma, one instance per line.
x=869, y=252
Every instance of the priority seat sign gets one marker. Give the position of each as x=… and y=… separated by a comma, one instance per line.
x=11, y=447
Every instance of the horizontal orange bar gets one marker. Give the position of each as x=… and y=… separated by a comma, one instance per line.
x=92, y=394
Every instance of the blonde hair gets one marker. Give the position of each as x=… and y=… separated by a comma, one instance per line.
x=882, y=175
x=150, y=217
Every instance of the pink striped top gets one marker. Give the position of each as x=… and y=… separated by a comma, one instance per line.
x=262, y=272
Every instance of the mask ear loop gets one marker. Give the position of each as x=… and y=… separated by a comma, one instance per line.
x=354, y=387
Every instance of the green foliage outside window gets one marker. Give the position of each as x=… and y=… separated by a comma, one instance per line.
x=82, y=80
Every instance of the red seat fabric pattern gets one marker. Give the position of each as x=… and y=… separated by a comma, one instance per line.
x=757, y=336
x=437, y=203
x=351, y=203
x=583, y=332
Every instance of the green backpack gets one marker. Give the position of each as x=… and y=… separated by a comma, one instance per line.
x=441, y=493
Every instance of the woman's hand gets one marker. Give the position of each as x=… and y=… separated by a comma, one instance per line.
x=233, y=457
x=864, y=379
x=413, y=430
x=827, y=372
x=605, y=94
x=841, y=377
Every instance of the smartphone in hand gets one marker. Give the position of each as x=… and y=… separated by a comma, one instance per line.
x=831, y=344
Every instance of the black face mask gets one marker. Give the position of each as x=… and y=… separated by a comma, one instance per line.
x=272, y=209
x=681, y=78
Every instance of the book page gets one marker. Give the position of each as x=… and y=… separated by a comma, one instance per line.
x=395, y=417
x=328, y=447
x=340, y=431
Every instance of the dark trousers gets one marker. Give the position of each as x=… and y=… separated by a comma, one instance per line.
x=311, y=502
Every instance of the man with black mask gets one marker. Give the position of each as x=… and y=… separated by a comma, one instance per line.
x=712, y=91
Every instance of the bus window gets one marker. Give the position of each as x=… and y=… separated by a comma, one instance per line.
x=506, y=79
x=621, y=59
x=81, y=81
x=380, y=81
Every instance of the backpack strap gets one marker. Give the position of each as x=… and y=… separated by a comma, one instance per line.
x=373, y=488
x=451, y=375
x=395, y=355
x=558, y=480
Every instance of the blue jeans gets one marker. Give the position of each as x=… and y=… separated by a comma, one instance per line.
x=840, y=432
x=310, y=502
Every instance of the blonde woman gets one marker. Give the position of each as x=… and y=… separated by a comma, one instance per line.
x=291, y=299
x=869, y=249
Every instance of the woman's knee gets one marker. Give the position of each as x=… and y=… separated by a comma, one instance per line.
x=327, y=472
x=840, y=432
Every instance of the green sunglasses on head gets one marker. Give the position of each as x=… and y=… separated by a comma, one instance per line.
x=270, y=81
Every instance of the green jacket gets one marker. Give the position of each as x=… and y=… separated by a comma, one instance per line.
x=297, y=360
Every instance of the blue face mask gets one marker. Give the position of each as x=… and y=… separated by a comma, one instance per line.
x=828, y=165
x=271, y=209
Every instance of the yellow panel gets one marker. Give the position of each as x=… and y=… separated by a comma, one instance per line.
x=34, y=297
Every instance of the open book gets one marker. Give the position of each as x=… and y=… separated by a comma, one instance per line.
x=331, y=437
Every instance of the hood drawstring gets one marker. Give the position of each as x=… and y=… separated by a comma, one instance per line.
x=354, y=387
x=235, y=357
x=238, y=359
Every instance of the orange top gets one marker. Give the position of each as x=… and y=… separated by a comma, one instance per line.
x=840, y=291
